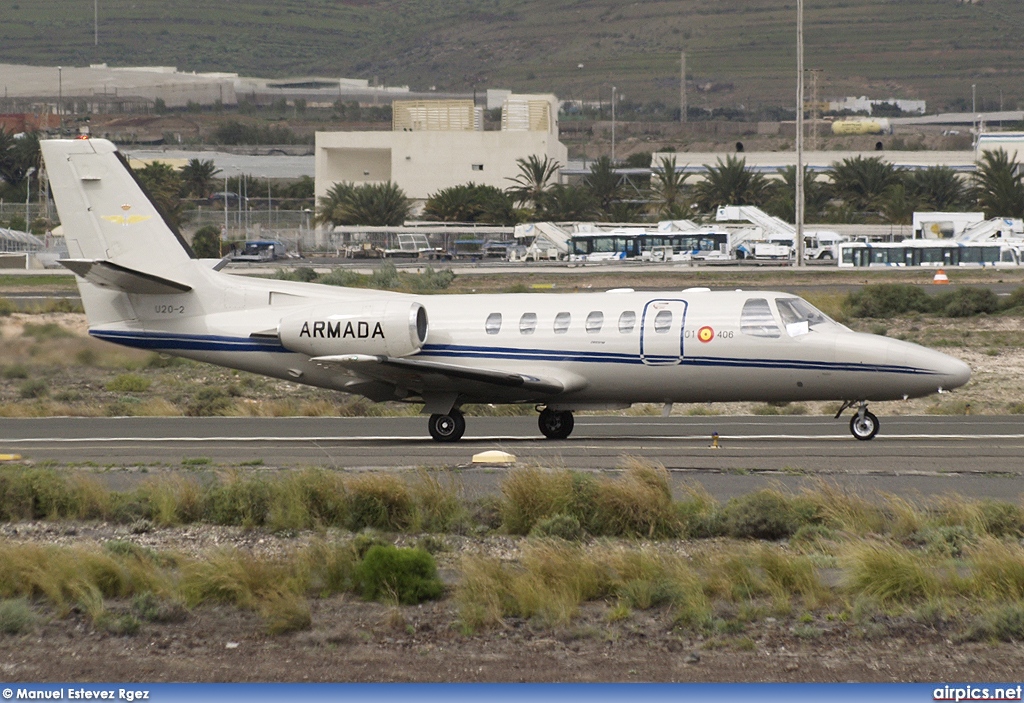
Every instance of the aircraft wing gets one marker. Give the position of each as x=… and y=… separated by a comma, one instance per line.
x=430, y=378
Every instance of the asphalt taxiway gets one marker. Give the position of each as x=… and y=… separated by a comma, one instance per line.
x=978, y=456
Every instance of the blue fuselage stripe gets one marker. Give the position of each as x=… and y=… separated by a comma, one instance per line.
x=216, y=343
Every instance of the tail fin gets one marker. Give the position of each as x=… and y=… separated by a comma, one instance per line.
x=105, y=213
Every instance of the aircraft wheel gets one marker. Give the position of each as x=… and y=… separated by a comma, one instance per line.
x=556, y=424
x=864, y=427
x=447, y=428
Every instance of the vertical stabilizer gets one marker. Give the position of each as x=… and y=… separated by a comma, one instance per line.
x=104, y=211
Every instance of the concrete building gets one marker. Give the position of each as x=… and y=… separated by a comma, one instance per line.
x=439, y=144
x=1010, y=142
x=866, y=104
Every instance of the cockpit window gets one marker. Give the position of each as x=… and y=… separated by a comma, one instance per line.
x=800, y=317
x=757, y=320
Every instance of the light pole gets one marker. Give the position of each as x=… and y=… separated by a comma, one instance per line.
x=60, y=97
x=28, y=192
x=613, y=125
x=974, y=110
x=225, y=235
x=269, y=203
x=96, y=22
x=799, y=206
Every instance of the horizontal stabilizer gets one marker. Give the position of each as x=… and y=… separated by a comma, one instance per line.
x=107, y=274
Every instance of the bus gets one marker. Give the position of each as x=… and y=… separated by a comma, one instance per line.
x=927, y=252
x=636, y=244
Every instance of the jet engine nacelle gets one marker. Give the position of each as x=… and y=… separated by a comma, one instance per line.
x=379, y=328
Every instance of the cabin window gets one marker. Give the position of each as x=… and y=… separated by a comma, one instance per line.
x=627, y=321
x=595, y=321
x=562, y=321
x=528, y=323
x=493, y=324
x=663, y=321
x=757, y=320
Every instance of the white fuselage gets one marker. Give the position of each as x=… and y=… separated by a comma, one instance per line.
x=606, y=349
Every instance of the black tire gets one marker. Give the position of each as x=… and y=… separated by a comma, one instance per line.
x=447, y=428
x=864, y=428
x=556, y=424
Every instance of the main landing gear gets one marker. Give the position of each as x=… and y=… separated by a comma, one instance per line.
x=863, y=425
x=447, y=427
x=556, y=424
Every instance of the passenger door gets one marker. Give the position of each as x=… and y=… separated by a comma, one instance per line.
x=661, y=332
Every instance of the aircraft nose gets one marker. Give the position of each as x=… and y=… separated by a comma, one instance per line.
x=955, y=371
x=944, y=371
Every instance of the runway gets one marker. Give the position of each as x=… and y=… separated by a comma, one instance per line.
x=975, y=455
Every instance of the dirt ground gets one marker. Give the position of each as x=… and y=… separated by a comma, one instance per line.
x=355, y=641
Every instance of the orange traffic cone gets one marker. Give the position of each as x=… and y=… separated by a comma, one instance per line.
x=940, y=278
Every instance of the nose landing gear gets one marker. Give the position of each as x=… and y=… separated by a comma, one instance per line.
x=863, y=425
x=556, y=424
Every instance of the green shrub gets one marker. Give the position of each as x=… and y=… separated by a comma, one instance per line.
x=147, y=607
x=285, y=612
x=129, y=383
x=765, y=514
x=6, y=307
x=1001, y=519
x=238, y=501
x=344, y=278
x=888, y=300
x=639, y=504
x=380, y=501
x=408, y=576
x=211, y=400
x=15, y=371
x=47, y=330
x=565, y=527
x=1004, y=623
x=1015, y=301
x=304, y=274
x=16, y=616
x=34, y=388
x=965, y=302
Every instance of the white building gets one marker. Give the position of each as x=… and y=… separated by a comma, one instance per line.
x=439, y=144
x=866, y=104
x=1010, y=142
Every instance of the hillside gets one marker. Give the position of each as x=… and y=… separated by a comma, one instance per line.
x=740, y=52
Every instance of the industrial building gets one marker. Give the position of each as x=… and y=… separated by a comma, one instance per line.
x=436, y=144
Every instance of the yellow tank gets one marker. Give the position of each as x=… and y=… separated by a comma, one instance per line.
x=862, y=126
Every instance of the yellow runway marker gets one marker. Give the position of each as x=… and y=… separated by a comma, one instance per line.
x=10, y=457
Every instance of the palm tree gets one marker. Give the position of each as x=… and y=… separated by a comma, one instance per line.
x=564, y=203
x=535, y=176
x=197, y=177
x=471, y=203
x=377, y=204
x=605, y=184
x=731, y=183
x=163, y=185
x=783, y=202
x=998, y=187
x=896, y=207
x=668, y=198
x=937, y=188
x=328, y=204
x=18, y=155
x=862, y=182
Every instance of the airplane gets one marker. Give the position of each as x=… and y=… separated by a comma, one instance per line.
x=143, y=287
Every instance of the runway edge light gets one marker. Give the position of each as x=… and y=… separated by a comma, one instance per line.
x=494, y=457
